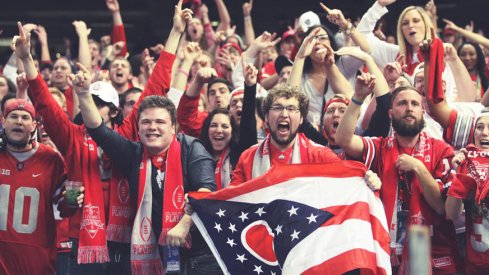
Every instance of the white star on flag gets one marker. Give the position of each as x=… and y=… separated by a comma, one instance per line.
x=295, y=235
x=231, y=242
x=278, y=229
x=243, y=216
x=312, y=218
x=258, y=269
x=220, y=213
x=293, y=211
x=241, y=258
x=218, y=227
x=232, y=227
x=260, y=211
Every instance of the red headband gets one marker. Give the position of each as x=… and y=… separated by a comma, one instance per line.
x=333, y=100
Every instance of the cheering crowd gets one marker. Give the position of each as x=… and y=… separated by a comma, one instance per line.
x=210, y=108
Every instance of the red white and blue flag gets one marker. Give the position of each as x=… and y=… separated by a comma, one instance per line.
x=296, y=219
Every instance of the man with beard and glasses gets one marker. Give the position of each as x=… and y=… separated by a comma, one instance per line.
x=413, y=169
x=284, y=109
x=30, y=175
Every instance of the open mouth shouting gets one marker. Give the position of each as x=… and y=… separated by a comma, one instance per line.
x=283, y=128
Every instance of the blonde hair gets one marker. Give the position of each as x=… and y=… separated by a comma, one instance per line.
x=401, y=40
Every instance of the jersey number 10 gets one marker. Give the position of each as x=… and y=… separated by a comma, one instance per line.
x=18, y=214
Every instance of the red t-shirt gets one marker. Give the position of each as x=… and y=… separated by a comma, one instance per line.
x=27, y=227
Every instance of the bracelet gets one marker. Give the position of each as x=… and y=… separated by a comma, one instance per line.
x=359, y=103
x=247, y=18
x=180, y=70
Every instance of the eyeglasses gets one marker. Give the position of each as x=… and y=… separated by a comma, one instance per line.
x=280, y=108
x=322, y=37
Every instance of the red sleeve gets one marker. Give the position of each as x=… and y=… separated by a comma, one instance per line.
x=158, y=84
x=69, y=102
x=189, y=118
x=448, y=132
x=119, y=34
x=57, y=124
x=443, y=167
x=371, y=147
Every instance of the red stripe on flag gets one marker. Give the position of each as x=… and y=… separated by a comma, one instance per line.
x=359, y=211
x=350, y=260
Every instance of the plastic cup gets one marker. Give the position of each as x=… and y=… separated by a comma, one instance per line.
x=72, y=192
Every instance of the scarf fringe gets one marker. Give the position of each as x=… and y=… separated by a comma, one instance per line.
x=119, y=233
x=163, y=239
x=93, y=254
x=147, y=267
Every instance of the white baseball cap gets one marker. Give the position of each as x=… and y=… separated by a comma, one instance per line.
x=105, y=91
x=308, y=19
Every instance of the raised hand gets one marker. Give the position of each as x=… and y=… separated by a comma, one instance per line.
x=450, y=25
x=158, y=48
x=118, y=46
x=247, y=7
x=147, y=61
x=335, y=16
x=22, y=83
x=81, y=81
x=29, y=27
x=384, y=3
x=181, y=17
x=364, y=85
x=250, y=75
x=430, y=8
x=41, y=34
x=81, y=28
x=266, y=40
x=205, y=75
x=308, y=44
x=450, y=52
x=192, y=51
x=393, y=70
x=459, y=158
x=112, y=5
x=21, y=44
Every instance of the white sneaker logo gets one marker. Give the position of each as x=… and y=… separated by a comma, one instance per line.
x=36, y=175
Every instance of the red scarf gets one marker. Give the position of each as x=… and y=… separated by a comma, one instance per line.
x=92, y=242
x=145, y=256
x=476, y=167
x=434, y=91
x=262, y=161
x=419, y=210
x=410, y=66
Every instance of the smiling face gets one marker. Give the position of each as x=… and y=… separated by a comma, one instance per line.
x=413, y=27
x=332, y=118
x=283, y=120
x=155, y=129
x=220, y=132
x=481, y=133
x=18, y=127
x=468, y=55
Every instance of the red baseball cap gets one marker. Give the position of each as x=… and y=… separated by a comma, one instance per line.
x=19, y=104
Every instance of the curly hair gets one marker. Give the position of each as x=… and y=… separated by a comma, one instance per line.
x=287, y=91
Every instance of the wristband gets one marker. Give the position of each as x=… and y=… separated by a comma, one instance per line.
x=247, y=18
x=180, y=70
x=359, y=103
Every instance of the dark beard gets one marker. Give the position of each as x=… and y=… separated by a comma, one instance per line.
x=407, y=130
x=283, y=142
x=16, y=144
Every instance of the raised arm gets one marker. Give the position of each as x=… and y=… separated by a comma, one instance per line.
x=249, y=32
x=224, y=18
x=345, y=137
x=247, y=126
x=180, y=19
x=43, y=40
x=81, y=84
x=191, y=53
x=118, y=32
x=336, y=17
x=304, y=51
x=467, y=34
x=467, y=90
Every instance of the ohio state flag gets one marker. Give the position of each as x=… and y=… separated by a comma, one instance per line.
x=296, y=219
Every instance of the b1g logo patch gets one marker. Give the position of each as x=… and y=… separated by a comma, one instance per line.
x=91, y=220
x=123, y=191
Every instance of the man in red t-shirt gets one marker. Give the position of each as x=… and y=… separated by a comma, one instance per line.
x=30, y=173
x=284, y=109
x=413, y=169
